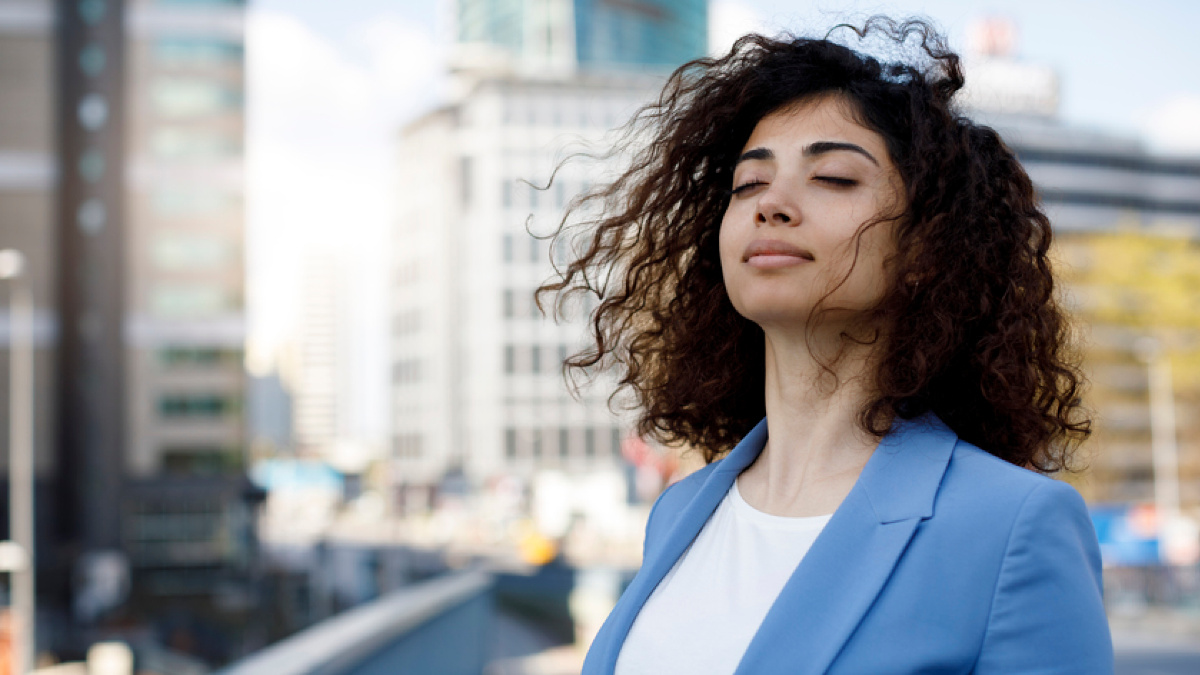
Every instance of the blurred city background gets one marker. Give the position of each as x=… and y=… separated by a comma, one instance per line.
x=274, y=395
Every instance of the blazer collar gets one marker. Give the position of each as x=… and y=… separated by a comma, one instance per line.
x=900, y=479
x=848, y=563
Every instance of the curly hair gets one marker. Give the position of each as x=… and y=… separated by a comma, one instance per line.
x=973, y=330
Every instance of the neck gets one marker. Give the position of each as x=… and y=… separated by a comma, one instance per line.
x=815, y=390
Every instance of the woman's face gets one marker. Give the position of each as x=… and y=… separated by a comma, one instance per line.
x=808, y=180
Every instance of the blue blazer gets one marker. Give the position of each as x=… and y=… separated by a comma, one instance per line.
x=941, y=559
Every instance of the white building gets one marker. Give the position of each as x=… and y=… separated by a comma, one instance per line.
x=477, y=378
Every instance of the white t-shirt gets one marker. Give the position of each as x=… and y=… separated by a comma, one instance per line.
x=703, y=614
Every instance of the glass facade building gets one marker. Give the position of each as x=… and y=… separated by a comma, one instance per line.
x=634, y=33
x=589, y=34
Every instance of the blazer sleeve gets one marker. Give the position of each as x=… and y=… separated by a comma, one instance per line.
x=1047, y=614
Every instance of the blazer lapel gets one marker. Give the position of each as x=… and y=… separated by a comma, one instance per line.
x=849, y=563
x=680, y=535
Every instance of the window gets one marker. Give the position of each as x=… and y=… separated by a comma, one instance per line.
x=197, y=406
x=534, y=249
x=178, y=251
x=506, y=192
x=509, y=303
x=510, y=443
x=510, y=359
x=183, y=98
x=507, y=247
x=535, y=358
x=189, y=300
x=564, y=444
x=176, y=143
x=192, y=202
x=197, y=51
x=589, y=442
x=616, y=442
x=226, y=3
x=202, y=461
x=464, y=177
x=198, y=357
x=406, y=371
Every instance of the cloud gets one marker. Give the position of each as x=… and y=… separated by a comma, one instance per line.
x=729, y=20
x=1173, y=127
x=322, y=117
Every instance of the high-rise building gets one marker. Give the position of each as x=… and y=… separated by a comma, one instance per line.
x=477, y=381
x=121, y=182
x=320, y=363
x=1127, y=233
x=569, y=35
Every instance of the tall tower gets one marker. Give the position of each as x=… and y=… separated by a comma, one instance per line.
x=476, y=375
x=569, y=35
x=121, y=182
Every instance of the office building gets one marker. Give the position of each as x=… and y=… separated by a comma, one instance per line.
x=121, y=180
x=541, y=36
x=476, y=374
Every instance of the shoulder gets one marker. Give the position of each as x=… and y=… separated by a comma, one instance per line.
x=976, y=481
x=1028, y=540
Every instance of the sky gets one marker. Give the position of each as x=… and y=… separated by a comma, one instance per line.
x=329, y=84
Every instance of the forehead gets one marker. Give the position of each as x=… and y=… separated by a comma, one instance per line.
x=825, y=118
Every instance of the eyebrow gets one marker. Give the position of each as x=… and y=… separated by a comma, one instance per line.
x=812, y=150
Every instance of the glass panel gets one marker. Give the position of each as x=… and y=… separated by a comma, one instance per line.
x=197, y=405
x=184, y=301
x=191, y=203
x=175, y=251
x=174, y=143
x=193, y=98
x=191, y=52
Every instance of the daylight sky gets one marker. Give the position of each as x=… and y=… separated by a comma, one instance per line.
x=330, y=83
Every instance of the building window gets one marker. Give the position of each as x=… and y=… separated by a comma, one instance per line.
x=564, y=442
x=406, y=371
x=177, y=143
x=507, y=247
x=192, y=203
x=616, y=442
x=589, y=442
x=510, y=443
x=219, y=3
x=197, y=52
x=509, y=303
x=193, y=251
x=183, y=98
x=464, y=177
x=197, y=406
x=534, y=249
x=510, y=359
x=202, y=461
x=535, y=359
x=189, y=300
x=506, y=192
x=198, y=357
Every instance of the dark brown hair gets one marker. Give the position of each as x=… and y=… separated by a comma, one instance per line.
x=973, y=330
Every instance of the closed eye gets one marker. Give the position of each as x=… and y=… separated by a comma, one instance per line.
x=834, y=180
x=746, y=187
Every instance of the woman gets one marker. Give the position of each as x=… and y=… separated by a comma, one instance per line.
x=821, y=239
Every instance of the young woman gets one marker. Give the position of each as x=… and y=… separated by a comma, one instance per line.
x=827, y=280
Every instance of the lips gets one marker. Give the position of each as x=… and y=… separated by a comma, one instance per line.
x=774, y=253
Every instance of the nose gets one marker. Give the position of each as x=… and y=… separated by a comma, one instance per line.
x=775, y=208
